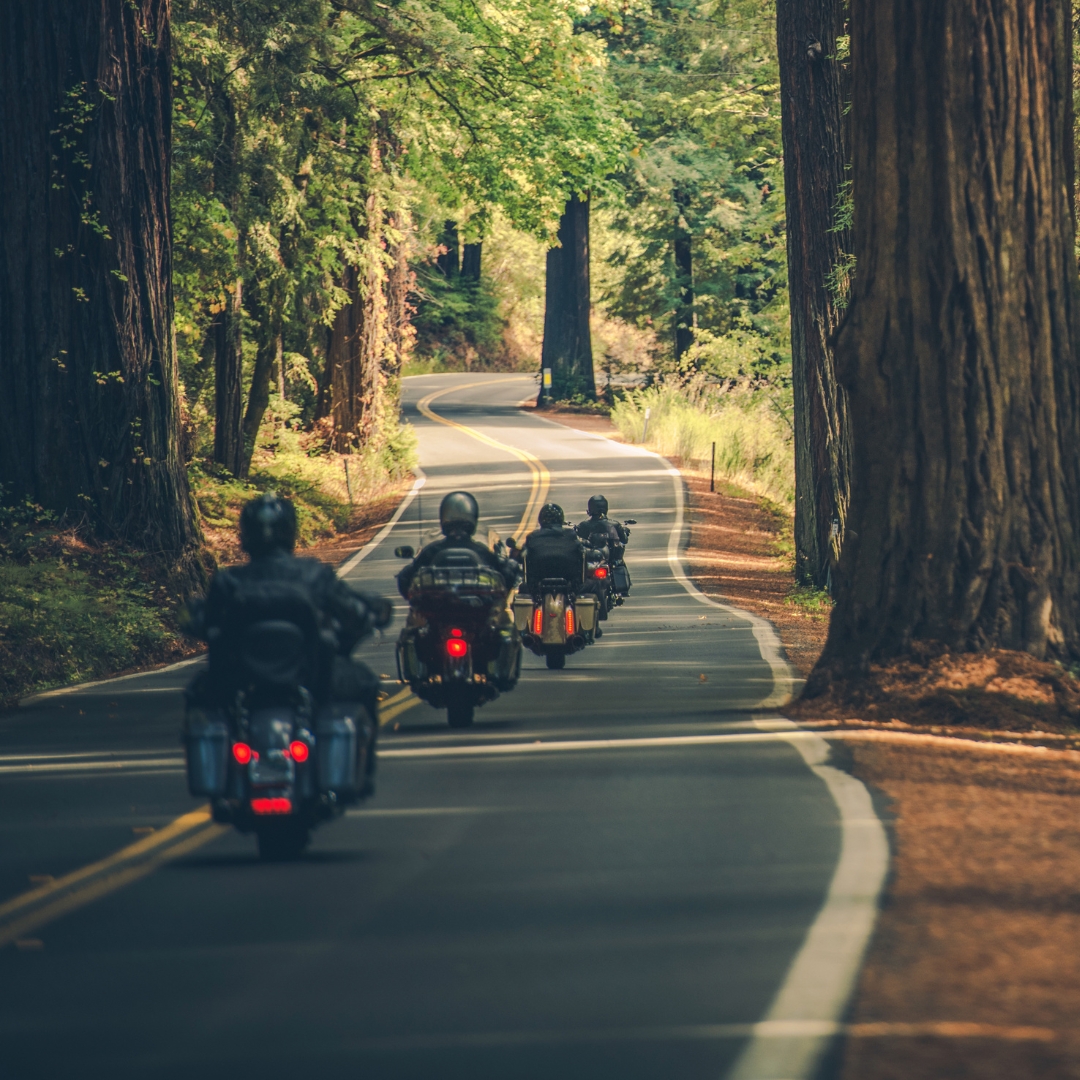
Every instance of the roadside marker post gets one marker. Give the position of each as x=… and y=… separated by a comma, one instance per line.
x=712, y=470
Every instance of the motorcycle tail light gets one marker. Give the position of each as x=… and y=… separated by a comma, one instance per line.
x=276, y=805
x=456, y=647
x=299, y=751
x=241, y=752
x=538, y=621
x=600, y=572
x=569, y=620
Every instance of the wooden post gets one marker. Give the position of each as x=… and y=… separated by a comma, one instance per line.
x=712, y=470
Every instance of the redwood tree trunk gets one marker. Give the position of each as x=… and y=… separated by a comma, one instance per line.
x=959, y=348
x=88, y=384
x=684, y=278
x=471, y=255
x=567, y=348
x=448, y=261
x=812, y=127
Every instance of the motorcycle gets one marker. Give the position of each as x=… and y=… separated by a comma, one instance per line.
x=555, y=621
x=276, y=762
x=454, y=652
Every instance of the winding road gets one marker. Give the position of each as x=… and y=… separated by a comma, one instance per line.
x=631, y=868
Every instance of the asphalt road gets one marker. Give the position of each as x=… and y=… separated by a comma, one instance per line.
x=620, y=871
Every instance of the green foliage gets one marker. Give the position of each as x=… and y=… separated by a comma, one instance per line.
x=750, y=426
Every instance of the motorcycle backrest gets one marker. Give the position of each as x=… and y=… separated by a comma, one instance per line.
x=458, y=559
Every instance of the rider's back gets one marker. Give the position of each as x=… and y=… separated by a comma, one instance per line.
x=553, y=552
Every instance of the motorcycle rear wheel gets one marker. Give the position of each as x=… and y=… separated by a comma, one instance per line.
x=555, y=658
x=460, y=714
x=281, y=841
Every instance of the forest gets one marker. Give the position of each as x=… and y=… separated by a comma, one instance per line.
x=231, y=228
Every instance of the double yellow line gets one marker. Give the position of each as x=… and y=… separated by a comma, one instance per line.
x=27, y=912
x=541, y=478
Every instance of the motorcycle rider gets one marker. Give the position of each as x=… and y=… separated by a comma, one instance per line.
x=553, y=551
x=598, y=530
x=268, y=537
x=459, y=515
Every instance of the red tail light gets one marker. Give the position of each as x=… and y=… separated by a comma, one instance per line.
x=241, y=752
x=456, y=647
x=600, y=572
x=299, y=750
x=569, y=620
x=275, y=805
x=538, y=621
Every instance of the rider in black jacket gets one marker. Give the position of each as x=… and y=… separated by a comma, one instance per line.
x=268, y=536
x=598, y=530
x=459, y=514
x=553, y=551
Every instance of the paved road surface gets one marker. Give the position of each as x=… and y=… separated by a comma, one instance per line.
x=614, y=879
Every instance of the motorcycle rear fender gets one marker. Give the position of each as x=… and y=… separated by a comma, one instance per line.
x=554, y=632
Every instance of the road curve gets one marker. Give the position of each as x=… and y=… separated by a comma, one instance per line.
x=625, y=869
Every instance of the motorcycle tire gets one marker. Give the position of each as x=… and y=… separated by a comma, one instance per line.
x=460, y=714
x=281, y=841
x=555, y=658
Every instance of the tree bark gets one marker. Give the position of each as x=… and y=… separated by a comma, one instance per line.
x=88, y=384
x=567, y=347
x=268, y=357
x=812, y=128
x=959, y=347
x=229, y=326
x=470, y=261
x=399, y=284
x=684, y=277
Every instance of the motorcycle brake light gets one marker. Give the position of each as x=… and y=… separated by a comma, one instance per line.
x=299, y=751
x=569, y=620
x=275, y=805
x=242, y=753
x=456, y=647
x=457, y=633
x=538, y=621
x=600, y=572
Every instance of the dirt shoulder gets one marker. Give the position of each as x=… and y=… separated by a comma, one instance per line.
x=974, y=967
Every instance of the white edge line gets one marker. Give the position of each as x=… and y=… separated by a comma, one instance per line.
x=820, y=981
x=381, y=535
x=32, y=698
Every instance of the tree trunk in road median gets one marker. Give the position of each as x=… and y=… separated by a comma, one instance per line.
x=812, y=127
x=959, y=350
x=567, y=347
x=88, y=381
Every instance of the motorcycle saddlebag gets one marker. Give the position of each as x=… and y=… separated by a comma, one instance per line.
x=206, y=742
x=523, y=609
x=585, y=610
x=620, y=579
x=336, y=730
x=410, y=667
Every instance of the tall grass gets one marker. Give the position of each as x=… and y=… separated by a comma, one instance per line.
x=750, y=426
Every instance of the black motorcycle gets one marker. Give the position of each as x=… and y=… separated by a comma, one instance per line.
x=458, y=650
x=276, y=762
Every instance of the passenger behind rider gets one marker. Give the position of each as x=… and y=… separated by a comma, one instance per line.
x=459, y=515
x=268, y=536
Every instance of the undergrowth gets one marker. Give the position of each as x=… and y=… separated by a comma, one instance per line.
x=749, y=424
x=74, y=608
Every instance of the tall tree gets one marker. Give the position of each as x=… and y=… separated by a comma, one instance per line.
x=683, y=249
x=88, y=383
x=812, y=125
x=959, y=350
x=567, y=347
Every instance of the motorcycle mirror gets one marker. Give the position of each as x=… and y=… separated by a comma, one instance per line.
x=404, y=552
x=630, y=521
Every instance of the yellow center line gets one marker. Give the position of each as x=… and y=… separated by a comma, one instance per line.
x=94, y=890
x=401, y=695
x=386, y=715
x=196, y=819
x=541, y=478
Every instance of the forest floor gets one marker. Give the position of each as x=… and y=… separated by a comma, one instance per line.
x=974, y=967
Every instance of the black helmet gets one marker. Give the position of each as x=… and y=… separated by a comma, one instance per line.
x=459, y=513
x=551, y=514
x=598, y=506
x=267, y=524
